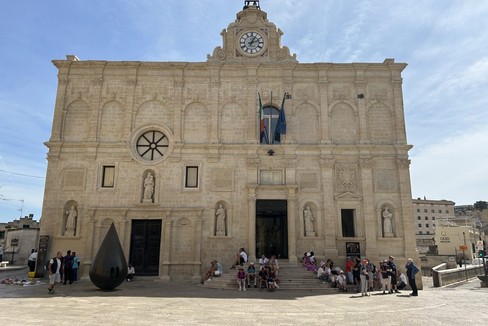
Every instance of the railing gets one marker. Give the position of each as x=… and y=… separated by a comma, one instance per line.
x=442, y=276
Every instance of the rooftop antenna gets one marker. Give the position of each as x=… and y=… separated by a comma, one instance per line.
x=21, y=208
x=251, y=4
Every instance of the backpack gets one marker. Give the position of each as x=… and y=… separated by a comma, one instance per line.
x=54, y=265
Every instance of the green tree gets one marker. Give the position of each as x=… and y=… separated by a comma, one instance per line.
x=480, y=205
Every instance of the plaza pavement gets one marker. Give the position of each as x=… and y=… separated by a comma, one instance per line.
x=147, y=301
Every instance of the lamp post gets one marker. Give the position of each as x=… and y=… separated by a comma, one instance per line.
x=13, y=243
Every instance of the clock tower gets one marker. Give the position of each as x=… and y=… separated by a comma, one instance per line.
x=251, y=38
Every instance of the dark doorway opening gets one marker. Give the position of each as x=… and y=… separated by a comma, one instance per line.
x=145, y=245
x=347, y=217
x=271, y=228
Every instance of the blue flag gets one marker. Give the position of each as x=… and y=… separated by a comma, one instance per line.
x=281, y=124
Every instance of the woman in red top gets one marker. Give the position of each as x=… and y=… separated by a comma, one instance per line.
x=349, y=266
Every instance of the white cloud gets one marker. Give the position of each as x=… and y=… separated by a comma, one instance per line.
x=443, y=42
x=454, y=168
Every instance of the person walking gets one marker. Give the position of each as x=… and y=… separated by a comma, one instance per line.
x=53, y=269
x=412, y=269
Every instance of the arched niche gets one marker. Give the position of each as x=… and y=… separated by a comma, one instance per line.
x=69, y=225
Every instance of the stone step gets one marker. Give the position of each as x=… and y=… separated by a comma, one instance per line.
x=292, y=276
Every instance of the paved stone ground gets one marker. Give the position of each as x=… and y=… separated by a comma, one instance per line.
x=151, y=302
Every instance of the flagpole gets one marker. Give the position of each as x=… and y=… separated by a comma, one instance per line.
x=281, y=123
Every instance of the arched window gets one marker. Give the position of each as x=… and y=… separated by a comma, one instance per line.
x=269, y=135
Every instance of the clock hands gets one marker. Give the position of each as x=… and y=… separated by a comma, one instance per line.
x=254, y=39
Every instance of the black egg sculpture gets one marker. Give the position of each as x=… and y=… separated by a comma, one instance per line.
x=109, y=268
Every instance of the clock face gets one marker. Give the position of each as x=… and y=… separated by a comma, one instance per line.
x=251, y=42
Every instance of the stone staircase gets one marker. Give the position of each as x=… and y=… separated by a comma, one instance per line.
x=292, y=276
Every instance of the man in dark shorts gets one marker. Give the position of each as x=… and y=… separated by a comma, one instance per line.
x=393, y=274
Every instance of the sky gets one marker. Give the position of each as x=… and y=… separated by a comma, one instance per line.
x=445, y=85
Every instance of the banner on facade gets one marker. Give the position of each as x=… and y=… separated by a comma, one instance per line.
x=353, y=249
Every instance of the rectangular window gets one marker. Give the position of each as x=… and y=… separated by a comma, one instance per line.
x=427, y=225
x=347, y=217
x=420, y=232
x=418, y=218
x=433, y=211
x=191, y=178
x=427, y=232
x=420, y=225
x=425, y=210
x=447, y=211
x=440, y=211
x=426, y=218
x=108, y=176
x=418, y=210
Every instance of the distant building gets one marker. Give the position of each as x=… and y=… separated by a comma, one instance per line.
x=481, y=218
x=457, y=237
x=19, y=238
x=426, y=212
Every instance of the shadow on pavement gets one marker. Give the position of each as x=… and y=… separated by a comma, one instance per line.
x=149, y=287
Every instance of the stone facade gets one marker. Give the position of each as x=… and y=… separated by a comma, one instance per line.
x=157, y=148
x=20, y=237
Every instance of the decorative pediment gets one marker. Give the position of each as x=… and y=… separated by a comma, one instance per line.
x=348, y=196
x=251, y=38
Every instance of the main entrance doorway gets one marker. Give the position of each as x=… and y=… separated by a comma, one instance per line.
x=145, y=243
x=271, y=228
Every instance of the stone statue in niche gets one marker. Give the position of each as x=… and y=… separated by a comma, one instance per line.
x=148, y=188
x=220, y=221
x=309, y=222
x=70, y=229
x=387, y=223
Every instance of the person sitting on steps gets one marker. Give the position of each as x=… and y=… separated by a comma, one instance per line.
x=263, y=278
x=130, y=273
x=241, y=258
x=251, y=275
